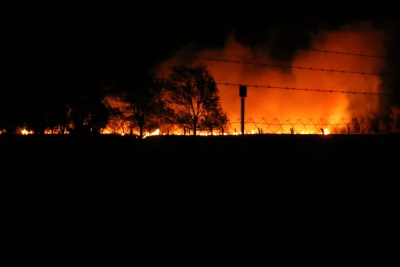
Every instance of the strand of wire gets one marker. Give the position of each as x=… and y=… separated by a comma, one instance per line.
x=287, y=66
x=349, y=54
x=304, y=89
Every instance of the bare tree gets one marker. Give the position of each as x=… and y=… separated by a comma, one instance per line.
x=146, y=104
x=194, y=97
x=214, y=119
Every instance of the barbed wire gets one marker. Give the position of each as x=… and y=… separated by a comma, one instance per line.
x=288, y=66
x=349, y=54
x=305, y=89
x=356, y=125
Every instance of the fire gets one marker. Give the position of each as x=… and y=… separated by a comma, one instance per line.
x=156, y=132
x=331, y=87
x=26, y=132
x=320, y=90
x=314, y=84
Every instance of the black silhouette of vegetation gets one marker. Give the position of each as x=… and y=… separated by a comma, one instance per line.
x=144, y=105
x=189, y=98
x=186, y=101
x=193, y=94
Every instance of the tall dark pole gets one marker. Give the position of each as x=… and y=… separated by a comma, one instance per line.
x=242, y=115
x=242, y=94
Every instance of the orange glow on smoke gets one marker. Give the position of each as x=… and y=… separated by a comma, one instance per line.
x=270, y=103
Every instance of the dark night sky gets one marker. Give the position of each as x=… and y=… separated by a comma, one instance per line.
x=54, y=47
x=64, y=44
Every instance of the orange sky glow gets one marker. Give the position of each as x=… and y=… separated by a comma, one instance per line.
x=308, y=70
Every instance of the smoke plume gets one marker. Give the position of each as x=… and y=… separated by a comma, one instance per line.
x=338, y=76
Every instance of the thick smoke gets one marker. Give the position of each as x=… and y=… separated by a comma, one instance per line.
x=345, y=64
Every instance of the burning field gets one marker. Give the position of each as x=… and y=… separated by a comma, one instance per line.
x=277, y=198
x=309, y=182
x=342, y=75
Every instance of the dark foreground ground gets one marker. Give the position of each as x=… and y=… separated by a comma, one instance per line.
x=263, y=200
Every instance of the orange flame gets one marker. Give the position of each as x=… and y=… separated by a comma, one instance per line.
x=307, y=70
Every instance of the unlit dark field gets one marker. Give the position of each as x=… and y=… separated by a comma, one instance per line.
x=280, y=200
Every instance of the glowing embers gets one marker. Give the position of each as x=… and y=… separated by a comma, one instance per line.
x=26, y=132
x=156, y=132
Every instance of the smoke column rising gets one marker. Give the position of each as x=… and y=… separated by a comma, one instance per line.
x=308, y=70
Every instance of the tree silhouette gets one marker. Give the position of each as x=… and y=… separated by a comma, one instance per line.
x=87, y=111
x=214, y=119
x=146, y=104
x=57, y=118
x=194, y=97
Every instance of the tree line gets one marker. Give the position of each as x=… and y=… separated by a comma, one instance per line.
x=187, y=98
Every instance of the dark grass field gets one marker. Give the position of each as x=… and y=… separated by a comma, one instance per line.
x=270, y=200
